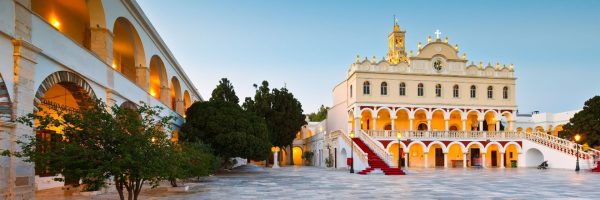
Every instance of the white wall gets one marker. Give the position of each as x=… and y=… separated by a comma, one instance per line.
x=556, y=159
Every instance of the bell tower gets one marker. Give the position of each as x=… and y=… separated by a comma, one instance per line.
x=396, y=52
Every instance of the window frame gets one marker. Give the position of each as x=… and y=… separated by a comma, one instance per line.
x=438, y=90
x=402, y=89
x=420, y=90
x=456, y=91
x=366, y=88
x=490, y=92
x=383, y=88
x=473, y=91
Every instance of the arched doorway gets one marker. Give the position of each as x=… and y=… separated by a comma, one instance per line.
x=366, y=120
x=297, y=155
x=158, y=79
x=437, y=121
x=60, y=92
x=422, y=127
x=416, y=155
x=175, y=94
x=420, y=120
x=533, y=157
x=511, y=154
x=383, y=120
x=492, y=155
x=187, y=100
x=402, y=121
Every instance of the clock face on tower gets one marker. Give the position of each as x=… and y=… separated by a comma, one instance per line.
x=437, y=65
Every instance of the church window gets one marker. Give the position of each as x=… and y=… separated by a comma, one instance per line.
x=438, y=90
x=350, y=90
x=420, y=90
x=383, y=88
x=455, y=91
x=490, y=92
x=505, y=92
x=402, y=89
x=366, y=87
x=473, y=91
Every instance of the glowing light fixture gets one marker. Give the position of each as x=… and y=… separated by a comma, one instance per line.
x=55, y=23
x=577, y=138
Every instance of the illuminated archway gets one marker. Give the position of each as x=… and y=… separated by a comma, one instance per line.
x=158, y=79
x=187, y=100
x=416, y=154
x=128, y=52
x=420, y=120
x=366, y=120
x=402, y=121
x=175, y=94
x=493, y=151
x=472, y=121
x=297, y=155
x=455, y=155
x=455, y=121
x=511, y=153
x=437, y=121
x=384, y=121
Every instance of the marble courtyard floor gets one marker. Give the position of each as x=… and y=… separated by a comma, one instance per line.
x=320, y=183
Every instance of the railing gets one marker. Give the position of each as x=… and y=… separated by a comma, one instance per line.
x=377, y=147
x=358, y=152
x=563, y=145
x=445, y=135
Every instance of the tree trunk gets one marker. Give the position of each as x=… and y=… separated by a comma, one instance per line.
x=119, y=187
x=173, y=182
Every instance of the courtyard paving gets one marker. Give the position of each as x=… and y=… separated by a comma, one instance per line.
x=320, y=183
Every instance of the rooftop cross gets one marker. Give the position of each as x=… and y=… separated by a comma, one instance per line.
x=437, y=34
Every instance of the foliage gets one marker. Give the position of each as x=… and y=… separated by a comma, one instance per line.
x=189, y=160
x=96, y=143
x=586, y=123
x=307, y=156
x=224, y=92
x=320, y=115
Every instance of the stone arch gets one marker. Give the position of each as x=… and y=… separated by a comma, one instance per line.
x=533, y=157
x=475, y=143
x=128, y=52
x=388, y=148
x=438, y=120
x=175, y=94
x=539, y=129
x=77, y=19
x=81, y=89
x=490, y=117
x=417, y=143
x=402, y=119
x=462, y=146
x=297, y=152
x=500, y=147
x=187, y=101
x=519, y=148
x=419, y=117
x=384, y=121
x=472, y=123
x=6, y=113
x=455, y=120
x=444, y=147
x=159, y=83
x=366, y=119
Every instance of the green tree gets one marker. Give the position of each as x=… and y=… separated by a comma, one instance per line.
x=96, y=143
x=281, y=110
x=224, y=92
x=320, y=115
x=586, y=122
x=229, y=130
x=189, y=160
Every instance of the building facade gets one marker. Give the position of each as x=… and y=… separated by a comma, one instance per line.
x=56, y=53
x=434, y=108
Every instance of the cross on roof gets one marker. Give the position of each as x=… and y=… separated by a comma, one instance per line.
x=437, y=34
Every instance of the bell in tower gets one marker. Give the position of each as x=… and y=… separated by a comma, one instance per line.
x=396, y=52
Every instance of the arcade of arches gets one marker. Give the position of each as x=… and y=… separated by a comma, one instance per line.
x=429, y=119
x=84, y=22
x=429, y=154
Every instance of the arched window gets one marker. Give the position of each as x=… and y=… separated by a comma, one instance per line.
x=420, y=90
x=505, y=92
x=473, y=91
x=350, y=90
x=438, y=90
x=383, y=88
x=490, y=92
x=366, y=87
x=455, y=91
x=402, y=89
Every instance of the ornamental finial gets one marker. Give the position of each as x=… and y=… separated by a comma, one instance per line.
x=428, y=38
x=357, y=59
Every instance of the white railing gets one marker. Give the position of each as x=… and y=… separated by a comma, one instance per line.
x=377, y=147
x=563, y=145
x=445, y=135
x=358, y=152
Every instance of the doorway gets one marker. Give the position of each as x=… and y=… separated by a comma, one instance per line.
x=475, y=159
x=439, y=157
x=494, y=158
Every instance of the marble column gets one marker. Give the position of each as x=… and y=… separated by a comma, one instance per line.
x=502, y=160
x=445, y=160
x=393, y=123
x=464, y=125
x=497, y=125
x=406, y=160
x=411, y=125
x=429, y=124
x=446, y=125
x=483, y=164
x=465, y=160
x=481, y=125
x=426, y=157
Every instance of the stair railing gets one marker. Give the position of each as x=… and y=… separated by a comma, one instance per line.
x=377, y=147
x=358, y=152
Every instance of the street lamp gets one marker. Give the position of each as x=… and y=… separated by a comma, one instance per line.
x=352, y=152
x=275, y=150
x=399, y=136
x=577, y=138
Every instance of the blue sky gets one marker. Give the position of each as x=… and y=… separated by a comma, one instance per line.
x=309, y=45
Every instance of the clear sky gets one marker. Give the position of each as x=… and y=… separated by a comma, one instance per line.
x=309, y=45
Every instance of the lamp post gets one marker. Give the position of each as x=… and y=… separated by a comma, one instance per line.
x=352, y=153
x=275, y=150
x=577, y=138
x=399, y=136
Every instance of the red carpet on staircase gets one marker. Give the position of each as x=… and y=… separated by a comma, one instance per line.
x=375, y=162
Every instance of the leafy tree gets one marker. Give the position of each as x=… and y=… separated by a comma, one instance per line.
x=97, y=143
x=320, y=115
x=228, y=129
x=586, y=123
x=189, y=160
x=281, y=110
x=224, y=92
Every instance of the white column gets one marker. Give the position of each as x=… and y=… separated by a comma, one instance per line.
x=411, y=125
x=357, y=125
x=510, y=126
x=426, y=159
x=374, y=127
x=464, y=160
x=445, y=160
x=394, y=123
x=446, y=124
x=429, y=124
x=406, y=160
x=275, y=162
x=502, y=160
x=483, y=160
x=464, y=125
x=481, y=125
